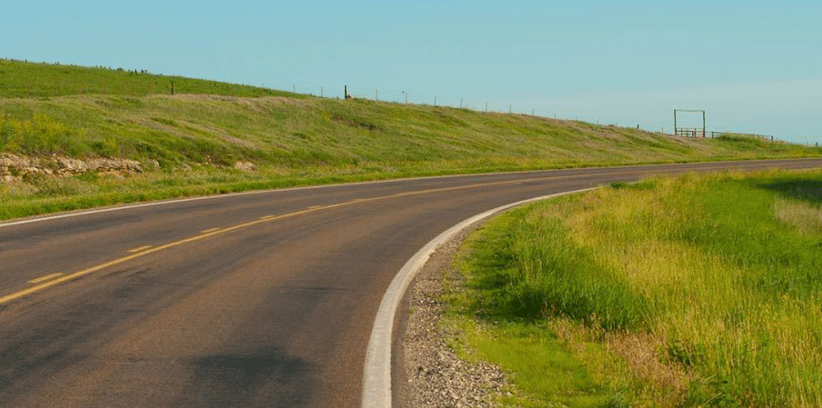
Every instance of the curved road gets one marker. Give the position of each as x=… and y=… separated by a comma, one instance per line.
x=259, y=299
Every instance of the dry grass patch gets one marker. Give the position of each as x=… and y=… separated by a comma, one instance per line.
x=644, y=354
x=802, y=216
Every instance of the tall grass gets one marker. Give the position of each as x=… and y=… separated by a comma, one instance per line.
x=577, y=287
x=720, y=274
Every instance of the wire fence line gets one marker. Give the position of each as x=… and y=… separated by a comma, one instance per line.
x=410, y=97
x=145, y=83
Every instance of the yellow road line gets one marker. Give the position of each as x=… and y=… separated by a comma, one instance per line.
x=209, y=230
x=142, y=251
x=75, y=275
x=45, y=278
x=315, y=207
x=142, y=248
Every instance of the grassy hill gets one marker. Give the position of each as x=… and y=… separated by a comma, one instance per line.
x=207, y=127
x=27, y=79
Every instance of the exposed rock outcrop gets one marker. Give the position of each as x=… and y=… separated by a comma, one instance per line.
x=13, y=167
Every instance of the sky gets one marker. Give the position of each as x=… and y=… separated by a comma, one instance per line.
x=754, y=66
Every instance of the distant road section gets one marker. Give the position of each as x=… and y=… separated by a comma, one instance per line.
x=250, y=300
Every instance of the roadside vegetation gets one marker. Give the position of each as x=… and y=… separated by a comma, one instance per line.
x=213, y=137
x=699, y=290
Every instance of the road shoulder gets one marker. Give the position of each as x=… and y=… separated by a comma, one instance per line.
x=429, y=372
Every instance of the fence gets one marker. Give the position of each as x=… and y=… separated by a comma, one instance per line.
x=142, y=82
x=690, y=132
x=753, y=135
x=411, y=97
x=699, y=132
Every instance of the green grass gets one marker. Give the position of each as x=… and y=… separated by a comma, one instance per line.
x=292, y=139
x=38, y=80
x=691, y=291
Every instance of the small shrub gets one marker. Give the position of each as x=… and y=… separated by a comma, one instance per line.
x=35, y=179
x=89, y=176
x=684, y=354
x=107, y=147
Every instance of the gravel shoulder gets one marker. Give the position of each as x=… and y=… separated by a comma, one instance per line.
x=428, y=373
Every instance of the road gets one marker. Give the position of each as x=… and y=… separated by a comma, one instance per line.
x=259, y=299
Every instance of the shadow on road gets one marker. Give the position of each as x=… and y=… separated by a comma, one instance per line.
x=265, y=377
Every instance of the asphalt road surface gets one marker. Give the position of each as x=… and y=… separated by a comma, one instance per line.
x=261, y=299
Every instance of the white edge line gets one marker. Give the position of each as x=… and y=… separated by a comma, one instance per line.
x=377, y=373
x=276, y=190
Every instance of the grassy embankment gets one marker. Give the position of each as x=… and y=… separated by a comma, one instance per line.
x=693, y=291
x=198, y=134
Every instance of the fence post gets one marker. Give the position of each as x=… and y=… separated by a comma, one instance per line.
x=345, y=92
x=376, y=95
x=172, y=87
x=703, y=124
x=321, y=91
x=294, y=88
x=460, y=103
x=486, y=106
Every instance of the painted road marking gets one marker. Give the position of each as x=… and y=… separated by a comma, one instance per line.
x=376, y=391
x=143, y=251
x=633, y=168
x=142, y=248
x=261, y=220
x=315, y=207
x=209, y=230
x=75, y=275
x=45, y=278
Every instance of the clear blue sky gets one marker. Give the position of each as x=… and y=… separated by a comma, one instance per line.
x=755, y=66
